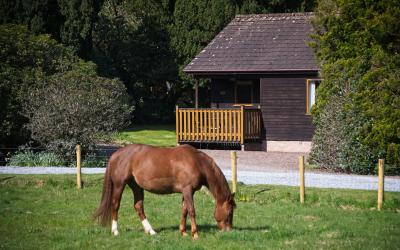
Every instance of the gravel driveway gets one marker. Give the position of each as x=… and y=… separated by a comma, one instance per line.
x=255, y=168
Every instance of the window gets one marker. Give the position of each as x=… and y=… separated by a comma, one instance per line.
x=312, y=85
x=244, y=92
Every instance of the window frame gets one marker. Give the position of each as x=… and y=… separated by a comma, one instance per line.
x=317, y=81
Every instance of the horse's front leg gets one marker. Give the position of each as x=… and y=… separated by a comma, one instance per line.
x=188, y=200
x=182, y=225
x=138, y=194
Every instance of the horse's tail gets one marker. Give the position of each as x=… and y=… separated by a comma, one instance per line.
x=103, y=213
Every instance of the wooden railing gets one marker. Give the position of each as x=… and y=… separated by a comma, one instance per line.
x=252, y=124
x=217, y=125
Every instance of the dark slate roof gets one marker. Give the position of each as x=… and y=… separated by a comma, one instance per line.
x=259, y=44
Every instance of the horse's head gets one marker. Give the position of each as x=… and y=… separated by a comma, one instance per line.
x=224, y=213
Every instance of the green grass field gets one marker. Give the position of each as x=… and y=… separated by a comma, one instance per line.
x=48, y=212
x=156, y=135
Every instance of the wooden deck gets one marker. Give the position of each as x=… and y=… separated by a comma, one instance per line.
x=234, y=125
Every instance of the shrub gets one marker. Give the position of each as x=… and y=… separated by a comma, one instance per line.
x=74, y=107
x=31, y=159
x=357, y=115
x=25, y=60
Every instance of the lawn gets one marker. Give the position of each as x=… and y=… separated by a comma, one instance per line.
x=48, y=212
x=156, y=135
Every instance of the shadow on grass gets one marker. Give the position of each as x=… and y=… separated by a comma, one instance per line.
x=7, y=178
x=262, y=191
x=210, y=228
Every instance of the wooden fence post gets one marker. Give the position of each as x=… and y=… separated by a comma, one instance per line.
x=234, y=171
x=301, y=168
x=78, y=166
x=381, y=177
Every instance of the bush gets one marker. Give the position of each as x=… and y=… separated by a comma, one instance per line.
x=357, y=115
x=75, y=107
x=25, y=60
x=28, y=158
x=31, y=159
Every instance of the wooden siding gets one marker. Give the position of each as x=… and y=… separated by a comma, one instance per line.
x=283, y=107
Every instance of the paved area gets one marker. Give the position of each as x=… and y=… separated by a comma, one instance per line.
x=257, y=161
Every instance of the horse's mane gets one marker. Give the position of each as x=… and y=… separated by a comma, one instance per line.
x=223, y=191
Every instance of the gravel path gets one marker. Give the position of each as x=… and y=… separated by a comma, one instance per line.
x=257, y=161
x=252, y=177
x=255, y=168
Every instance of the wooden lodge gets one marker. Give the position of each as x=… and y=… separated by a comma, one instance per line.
x=263, y=80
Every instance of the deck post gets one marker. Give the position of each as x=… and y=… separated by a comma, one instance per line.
x=177, y=124
x=196, y=93
x=242, y=127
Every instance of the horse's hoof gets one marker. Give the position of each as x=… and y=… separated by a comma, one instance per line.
x=184, y=234
x=151, y=232
x=115, y=233
x=195, y=236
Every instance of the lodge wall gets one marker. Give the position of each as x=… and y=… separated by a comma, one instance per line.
x=282, y=99
x=283, y=107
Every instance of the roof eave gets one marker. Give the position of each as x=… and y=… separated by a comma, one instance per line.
x=257, y=72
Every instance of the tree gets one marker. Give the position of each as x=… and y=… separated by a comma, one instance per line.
x=79, y=19
x=357, y=44
x=68, y=21
x=73, y=107
x=25, y=59
x=131, y=42
x=29, y=64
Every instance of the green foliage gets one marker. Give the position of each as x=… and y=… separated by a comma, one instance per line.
x=41, y=16
x=357, y=116
x=25, y=60
x=68, y=21
x=28, y=158
x=79, y=17
x=54, y=94
x=131, y=42
x=74, y=106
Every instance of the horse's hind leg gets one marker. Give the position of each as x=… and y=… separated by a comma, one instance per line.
x=115, y=202
x=138, y=194
x=182, y=224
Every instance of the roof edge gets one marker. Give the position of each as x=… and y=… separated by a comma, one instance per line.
x=270, y=72
x=286, y=15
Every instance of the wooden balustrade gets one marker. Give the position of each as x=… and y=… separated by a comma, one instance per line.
x=233, y=125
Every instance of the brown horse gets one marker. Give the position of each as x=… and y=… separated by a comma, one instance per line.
x=181, y=169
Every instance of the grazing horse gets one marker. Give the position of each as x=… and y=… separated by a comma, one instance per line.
x=181, y=169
